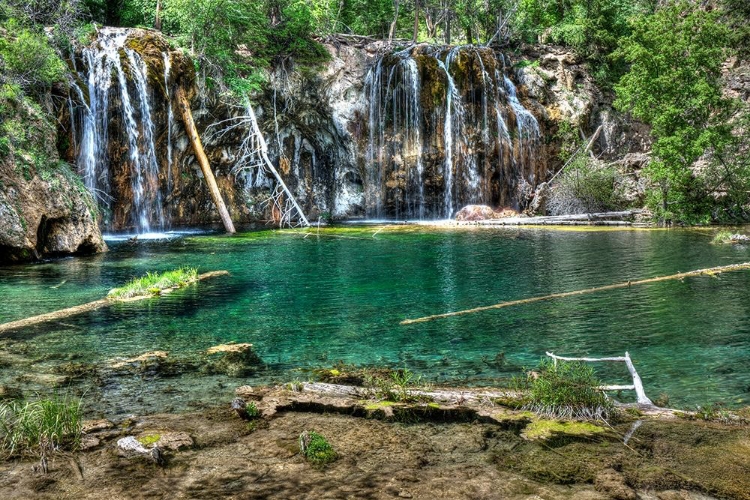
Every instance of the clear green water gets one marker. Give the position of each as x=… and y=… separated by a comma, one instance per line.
x=310, y=301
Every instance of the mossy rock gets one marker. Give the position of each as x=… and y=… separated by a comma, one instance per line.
x=545, y=429
x=234, y=360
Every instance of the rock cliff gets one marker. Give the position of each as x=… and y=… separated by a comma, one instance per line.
x=44, y=208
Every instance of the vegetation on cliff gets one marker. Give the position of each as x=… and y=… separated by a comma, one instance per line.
x=666, y=62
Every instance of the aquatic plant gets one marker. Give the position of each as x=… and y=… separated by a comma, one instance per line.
x=316, y=448
x=729, y=237
x=40, y=426
x=155, y=283
x=568, y=390
x=252, y=410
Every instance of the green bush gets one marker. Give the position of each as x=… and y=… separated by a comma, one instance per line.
x=585, y=187
x=40, y=426
x=568, y=390
x=29, y=59
x=316, y=448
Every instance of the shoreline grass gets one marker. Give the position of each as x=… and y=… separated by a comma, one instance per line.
x=155, y=283
x=40, y=426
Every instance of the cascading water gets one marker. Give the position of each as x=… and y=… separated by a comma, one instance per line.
x=116, y=79
x=432, y=144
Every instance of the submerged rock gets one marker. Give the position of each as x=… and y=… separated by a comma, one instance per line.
x=10, y=392
x=234, y=360
x=146, y=359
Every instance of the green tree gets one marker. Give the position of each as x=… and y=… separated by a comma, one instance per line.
x=674, y=84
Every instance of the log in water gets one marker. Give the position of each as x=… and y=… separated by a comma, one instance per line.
x=711, y=271
x=90, y=306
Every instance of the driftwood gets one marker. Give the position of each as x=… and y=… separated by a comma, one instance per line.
x=637, y=383
x=200, y=155
x=269, y=165
x=589, y=145
x=591, y=219
x=712, y=271
x=438, y=395
x=90, y=306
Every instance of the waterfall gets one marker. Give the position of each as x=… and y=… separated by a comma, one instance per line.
x=170, y=119
x=439, y=133
x=112, y=71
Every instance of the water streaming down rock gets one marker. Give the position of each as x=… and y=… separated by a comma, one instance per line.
x=418, y=135
x=433, y=143
x=117, y=83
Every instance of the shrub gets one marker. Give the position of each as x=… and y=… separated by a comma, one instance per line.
x=29, y=59
x=39, y=426
x=316, y=449
x=585, y=187
x=568, y=390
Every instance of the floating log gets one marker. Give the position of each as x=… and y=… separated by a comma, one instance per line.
x=200, y=154
x=711, y=271
x=90, y=306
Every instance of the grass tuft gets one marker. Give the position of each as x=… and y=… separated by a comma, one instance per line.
x=729, y=237
x=39, y=427
x=568, y=390
x=155, y=283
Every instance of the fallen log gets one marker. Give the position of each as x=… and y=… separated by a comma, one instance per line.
x=200, y=155
x=90, y=306
x=712, y=271
x=600, y=218
x=439, y=395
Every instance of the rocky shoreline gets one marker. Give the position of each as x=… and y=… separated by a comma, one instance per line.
x=463, y=444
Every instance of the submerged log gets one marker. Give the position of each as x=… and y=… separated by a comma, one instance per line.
x=200, y=154
x=711, y=271
x=90, y=306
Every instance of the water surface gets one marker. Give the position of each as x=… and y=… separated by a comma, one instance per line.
x=307, y=299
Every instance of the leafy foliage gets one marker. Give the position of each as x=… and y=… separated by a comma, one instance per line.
x=316, y=448
x=674, y=84
x=27, y=59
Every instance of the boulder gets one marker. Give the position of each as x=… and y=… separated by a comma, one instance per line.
x=475, y=212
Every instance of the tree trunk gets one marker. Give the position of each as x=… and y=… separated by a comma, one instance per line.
x=447, y=27
x=195, y=140
x=416, y=20
x=157, y=20
x=392, y=31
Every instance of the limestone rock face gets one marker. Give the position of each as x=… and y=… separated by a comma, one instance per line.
x=41, y=218
x=413, y=134
x=562, y=90
x=44, y=208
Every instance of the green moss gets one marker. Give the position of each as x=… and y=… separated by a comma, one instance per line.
x=543, y=429
x=149, y=439
x=379, y=405
x=154, y=283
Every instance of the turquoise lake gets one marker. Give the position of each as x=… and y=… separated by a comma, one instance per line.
x=308, y=299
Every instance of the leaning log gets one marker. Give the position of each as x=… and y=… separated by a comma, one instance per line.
x=90, y=306
x=200, y=154
x=711, y=271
